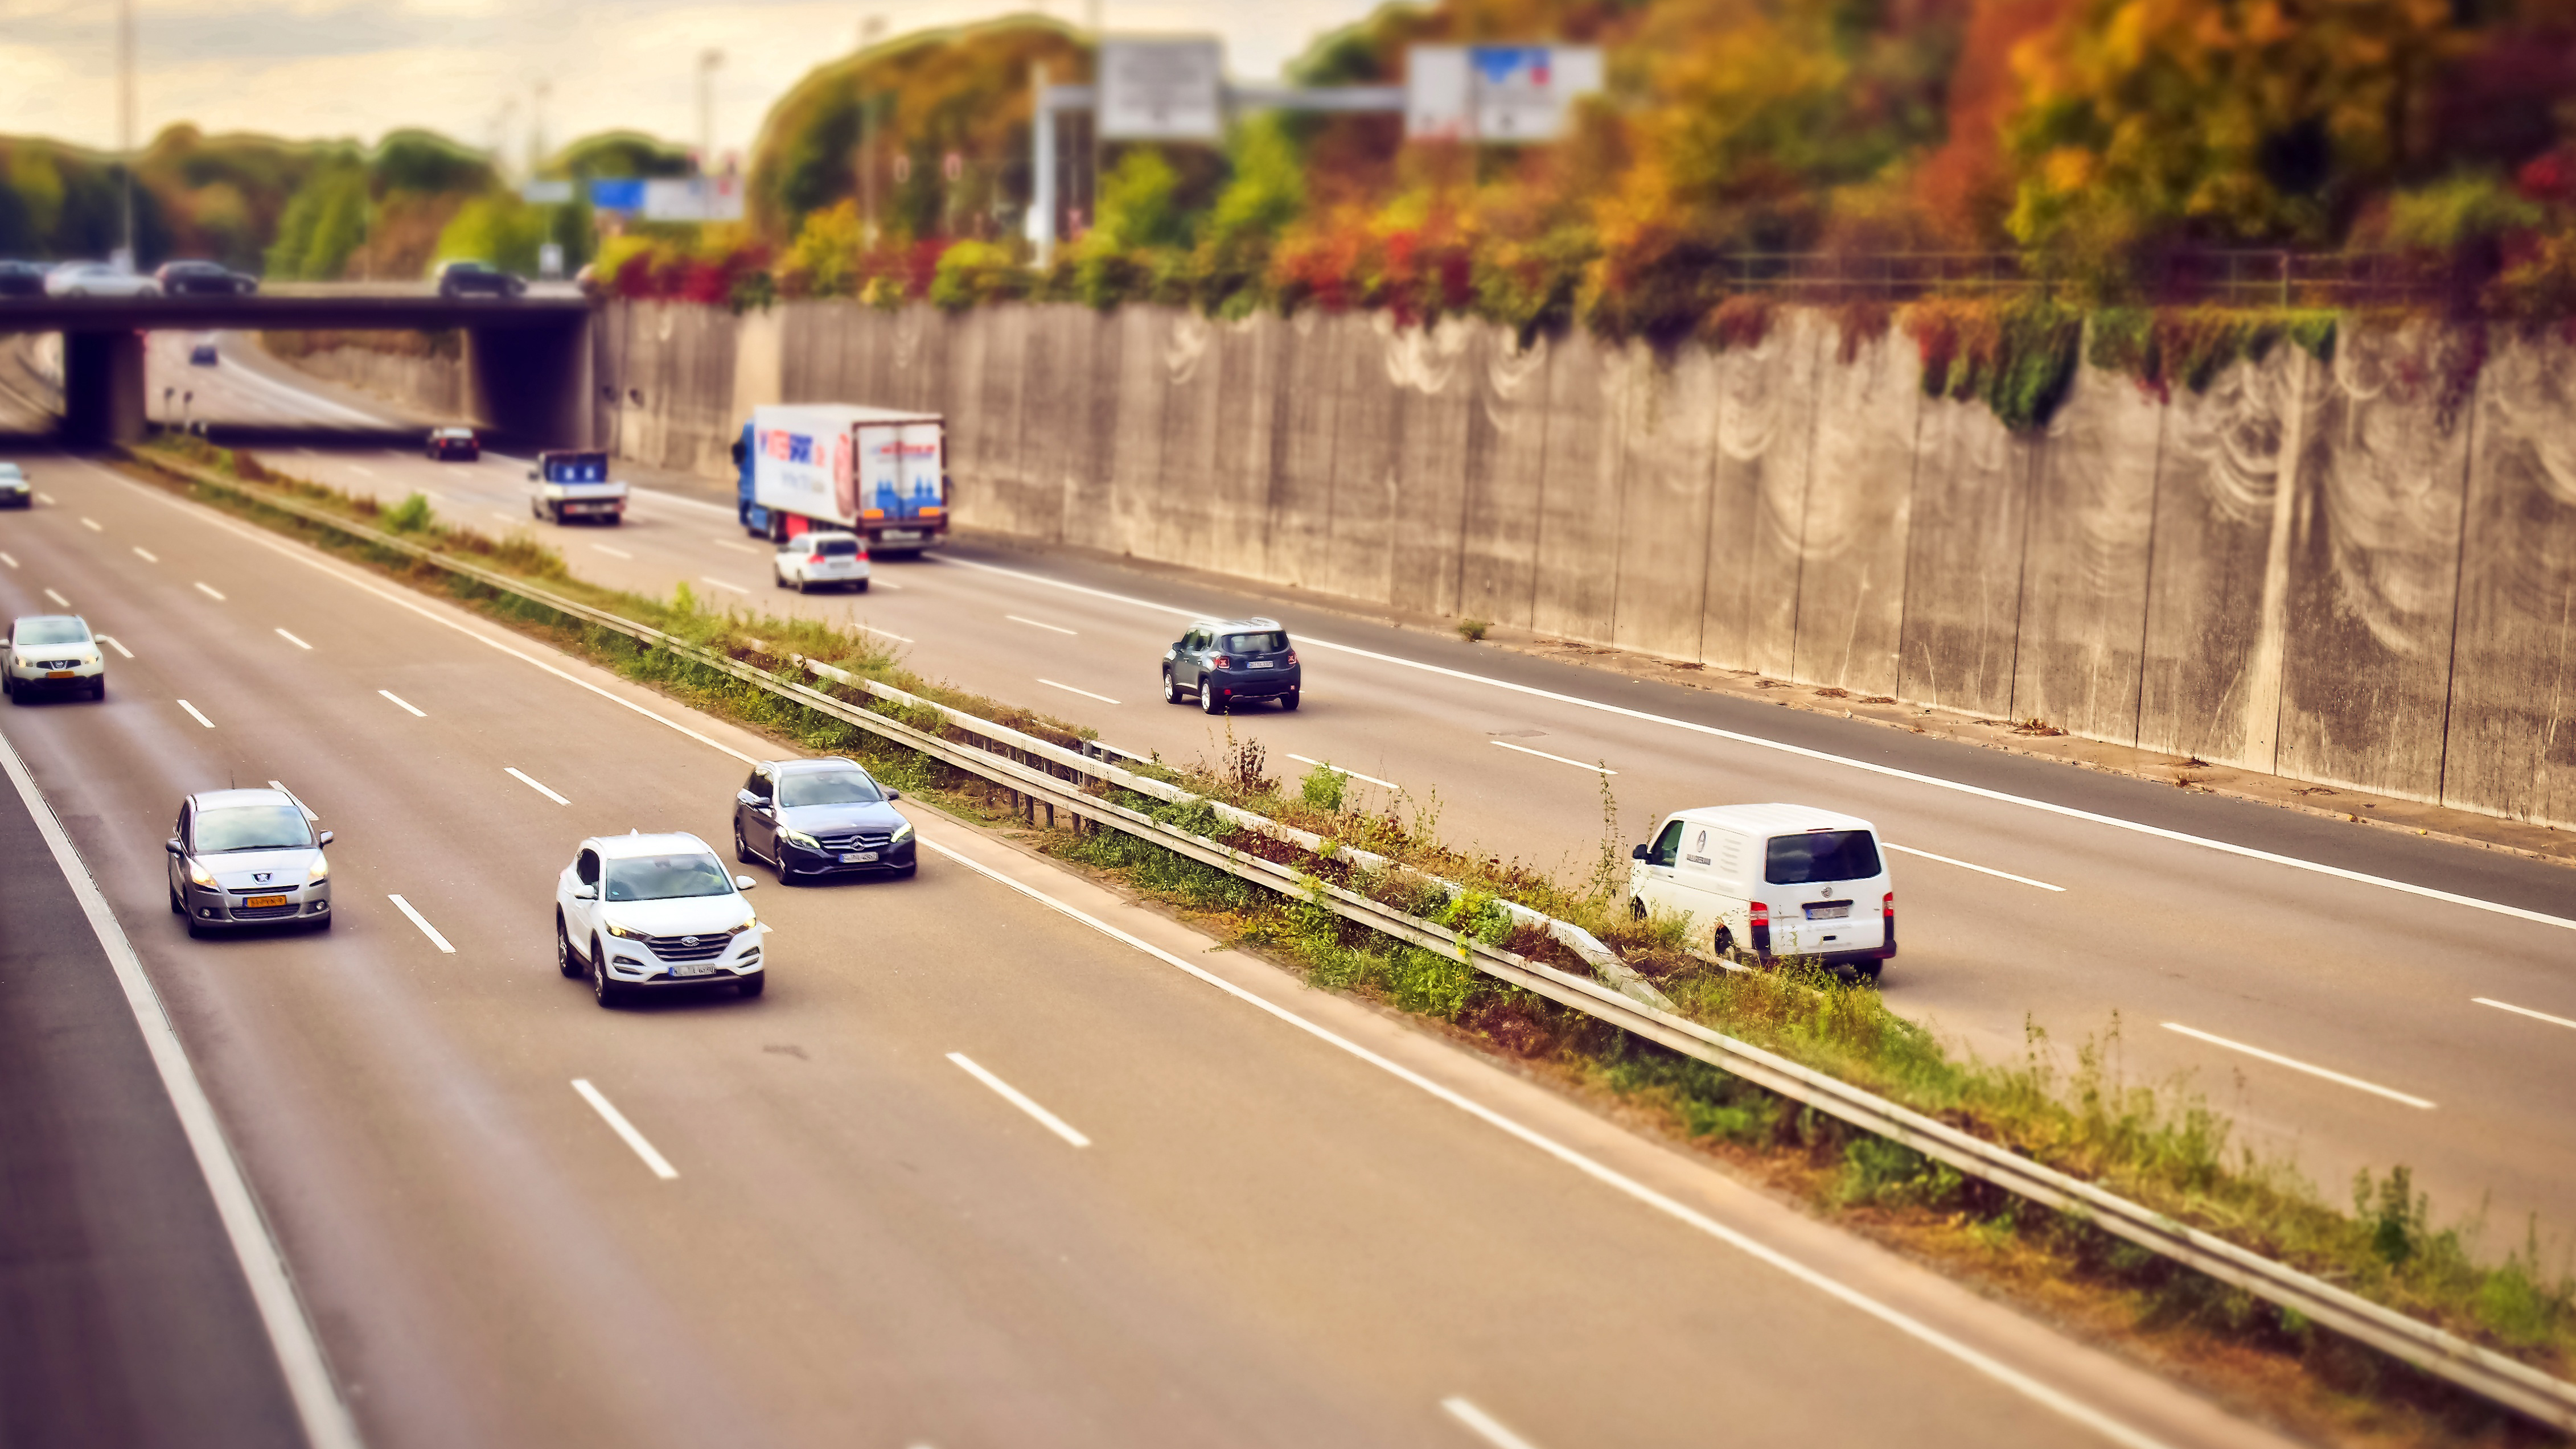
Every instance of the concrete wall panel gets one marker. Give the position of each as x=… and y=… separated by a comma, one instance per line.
x=2084, y=573
x=1433, y=373
x=1766, y=444
x=1578, y=503
x=1506, y=450
x=1963, y=572
x=1667, y=437
x=1852, y=552
x=1301, y=458
x=1367, y=413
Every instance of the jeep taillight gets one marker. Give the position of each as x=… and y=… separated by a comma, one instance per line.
x=1761, y=922
x=1220, y=662
x=1292, y=656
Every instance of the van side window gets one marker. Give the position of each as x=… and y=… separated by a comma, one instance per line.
x=1666, y=845
x=1819, y=856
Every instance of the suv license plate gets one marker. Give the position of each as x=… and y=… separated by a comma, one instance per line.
x=694, y=968
x=257, y=901
x=62, y=674
x=1833, y=911
x=858, y=857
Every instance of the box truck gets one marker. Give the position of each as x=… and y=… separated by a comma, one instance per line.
x=881, y=473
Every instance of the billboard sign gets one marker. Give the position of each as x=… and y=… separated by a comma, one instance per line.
x=1496, y=92
x=695, y=198
x=617, y=194
x=1162, y=89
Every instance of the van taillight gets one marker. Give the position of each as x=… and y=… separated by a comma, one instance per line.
x=1761, y=922
x=1887, y=907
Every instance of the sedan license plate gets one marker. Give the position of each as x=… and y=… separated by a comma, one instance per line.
x=1829, y=911
x=858, y=857
x=257, y=901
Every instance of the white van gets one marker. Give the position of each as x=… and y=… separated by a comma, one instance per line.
x=1762, y=882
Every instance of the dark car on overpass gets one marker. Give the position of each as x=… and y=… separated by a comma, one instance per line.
x=203, y=279
x=22, y=279
x=465, y=279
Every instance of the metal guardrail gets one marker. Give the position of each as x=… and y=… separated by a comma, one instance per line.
x=1053, y=776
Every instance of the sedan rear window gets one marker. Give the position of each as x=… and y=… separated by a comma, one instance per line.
x=828, y=787
x=251, y=827
x=1266, y=643
x=666, y=877
x=53, y=631
x=1821, y=855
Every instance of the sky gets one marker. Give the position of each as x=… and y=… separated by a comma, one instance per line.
x=471, y=68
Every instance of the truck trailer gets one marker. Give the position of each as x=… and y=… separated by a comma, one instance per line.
x=881, y=473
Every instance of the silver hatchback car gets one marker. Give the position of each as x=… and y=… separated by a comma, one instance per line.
x=248, y=858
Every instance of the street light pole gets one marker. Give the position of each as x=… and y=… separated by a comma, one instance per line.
x=869, y=30
x=125, y=113
x=708, y=60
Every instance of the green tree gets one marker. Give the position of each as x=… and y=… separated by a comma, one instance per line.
x=499, y=229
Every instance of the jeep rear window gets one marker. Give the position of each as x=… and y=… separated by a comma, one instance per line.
x=1821, y=855
x=1270, y=643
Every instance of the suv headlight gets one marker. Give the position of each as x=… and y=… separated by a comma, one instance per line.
x=745, y=926
x=321, y=871
x=199, y=875
x=622, y=933
x=800, y=838
x=902, y=833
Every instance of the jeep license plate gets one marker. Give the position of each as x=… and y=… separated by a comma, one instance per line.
x=858, y=857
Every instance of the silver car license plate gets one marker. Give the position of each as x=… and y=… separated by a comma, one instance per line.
x=858, y=857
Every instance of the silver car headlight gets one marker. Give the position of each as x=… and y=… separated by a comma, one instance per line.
x=199, y=875
x=321, y=871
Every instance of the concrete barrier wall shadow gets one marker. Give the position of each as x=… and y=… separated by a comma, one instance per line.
x=2329, y=570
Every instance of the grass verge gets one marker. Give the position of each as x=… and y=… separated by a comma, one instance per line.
x=2154, y=1143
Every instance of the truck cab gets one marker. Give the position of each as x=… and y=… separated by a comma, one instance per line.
x=569, y=483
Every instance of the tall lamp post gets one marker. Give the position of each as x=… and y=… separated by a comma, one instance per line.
x=869, y=30
x=708, y=60
x=125, y=113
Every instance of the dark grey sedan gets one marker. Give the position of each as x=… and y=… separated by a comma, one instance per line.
x=813, y=818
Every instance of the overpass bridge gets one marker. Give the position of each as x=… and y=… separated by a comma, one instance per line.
x=527, y=358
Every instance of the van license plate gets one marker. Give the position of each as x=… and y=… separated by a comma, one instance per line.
x=1829, y=911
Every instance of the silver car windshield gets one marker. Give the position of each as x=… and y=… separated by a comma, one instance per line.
x=666, y=877
x=828, y=787
x=53, y=631
x=251, y=827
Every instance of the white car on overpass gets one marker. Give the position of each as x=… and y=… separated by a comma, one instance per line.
x=638, y=913
x=98, y=279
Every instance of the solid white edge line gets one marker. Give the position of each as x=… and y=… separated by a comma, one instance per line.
x=291, y=639
x=326, y=1419
x=406, y=705
x=1889, y=771
x=614, y=552
x=2523, y=1011
x=112, y=642
x=886, y=634
x=58, y=599
x=1087, y=694
x=1339, y=770
x=1034, y=624
x=2050, y=1398
x=618, y=1124
x=422, y=921
x=1021, y=1100
x=1979, y=869
x=1560, y=759
x=1484, y=1425
x=2294, y=1064
x=533, y=785
x=719, y=583
x=210, y=591
x=733, y=543
x=195, y=714
x=315, y=562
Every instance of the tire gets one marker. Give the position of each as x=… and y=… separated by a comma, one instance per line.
x=321, y=923
x=602, y=990
x=909, y=871
x=617, y=518
x=776, y=578
x=741, y=852
x=98, y=687
x=1171, y=690
x=1868, y=970
x=754, y=984
x=176, y=908
x=564, y=961
x=799, y=585
x=536, y=510
x=1210, y=701
x=555, y=511
x=1288, y=700
x=861, y=586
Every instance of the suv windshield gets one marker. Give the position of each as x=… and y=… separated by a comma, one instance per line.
x=1821, y=855
x=251, y=827
x=53, y=631
x=1265, y=643
x=828, y=787
x=666, y=877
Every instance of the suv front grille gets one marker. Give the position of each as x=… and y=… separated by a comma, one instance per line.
x=671, y=948
x=57, y=664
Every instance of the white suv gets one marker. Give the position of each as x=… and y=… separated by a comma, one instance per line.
x=643, y=912
x=819, y=560
x=52, y=651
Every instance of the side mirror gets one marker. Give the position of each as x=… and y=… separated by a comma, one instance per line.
x=1639, y=853
x=324, y=838
x=893, y=794
x=173, y=846
x=585, y=893
x=747, y=798
x=744, y=882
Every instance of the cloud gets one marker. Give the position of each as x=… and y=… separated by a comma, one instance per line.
x=329, y=68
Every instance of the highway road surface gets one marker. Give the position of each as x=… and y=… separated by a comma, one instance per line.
x=2343, y=1017
x=997, y=1160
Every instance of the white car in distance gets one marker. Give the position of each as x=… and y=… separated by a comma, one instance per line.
x=824, y=558
x=98, y=279
x=638, y=913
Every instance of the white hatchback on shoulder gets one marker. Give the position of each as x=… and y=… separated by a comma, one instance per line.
x=1766, y=882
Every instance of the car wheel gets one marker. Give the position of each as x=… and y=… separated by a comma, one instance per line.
x=1637, y=907
x=741, y=852
x=755, y=983
x=6, y=681
x=321, y=923
x=861, y=586
x=799, y=585
x=606, y=992
x=555, y=511
x=564, y=961
x=1210, y=700
x=1288, y=700
x=98, y=687
x=176, y=908
x=909, y=871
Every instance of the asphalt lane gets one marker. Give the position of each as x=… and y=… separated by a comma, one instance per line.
x=124, y=1317
x=2267, y=973
x=1270, y=1238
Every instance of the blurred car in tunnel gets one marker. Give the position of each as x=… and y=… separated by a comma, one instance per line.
x=15, y=492
x=448, y=445
x=203, y=353
x=202, y=278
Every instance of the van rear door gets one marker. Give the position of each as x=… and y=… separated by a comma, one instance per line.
x=1823, y=888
